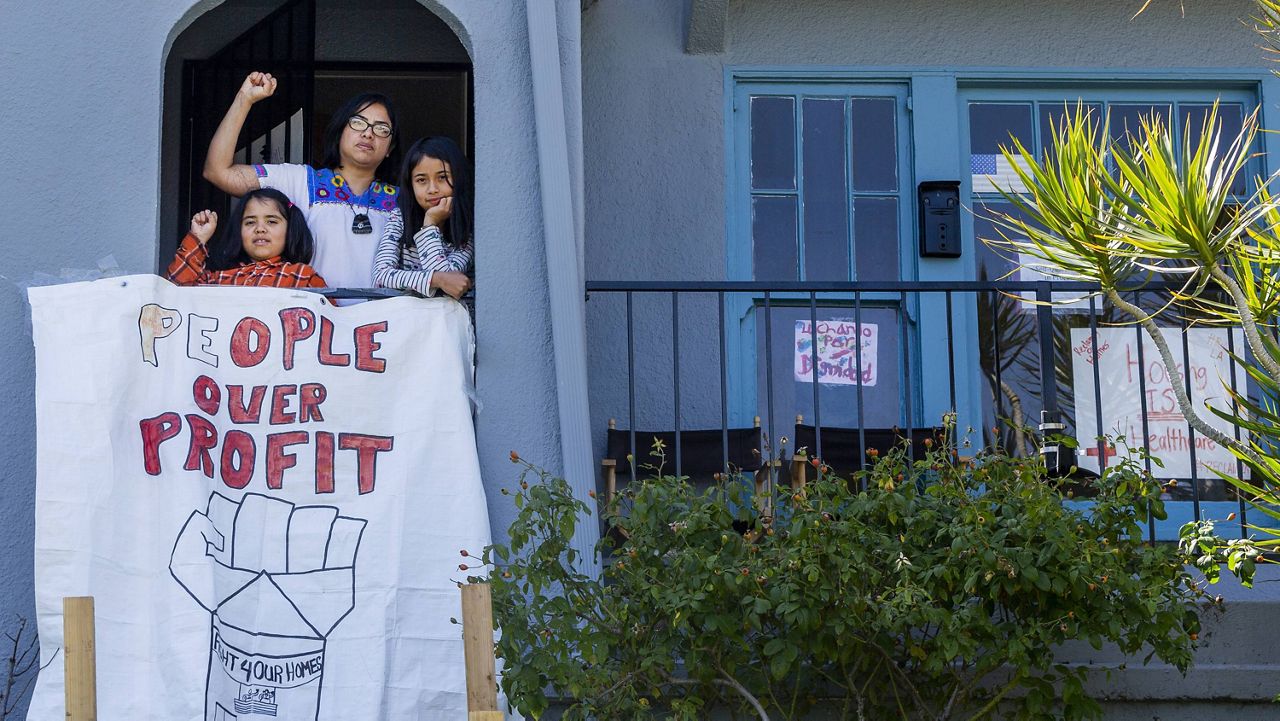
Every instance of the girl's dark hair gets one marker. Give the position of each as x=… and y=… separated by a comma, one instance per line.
x=338, y=122
x=461, y=224
x=226, y=250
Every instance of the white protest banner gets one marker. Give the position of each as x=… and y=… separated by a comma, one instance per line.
x=1127, y=375
x=838, y=353
x=265, y=494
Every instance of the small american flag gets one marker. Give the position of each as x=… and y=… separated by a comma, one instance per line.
x=991, y=171
x=982, y=164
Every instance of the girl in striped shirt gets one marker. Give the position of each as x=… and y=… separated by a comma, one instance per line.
x=427, y=245
x=267, y=243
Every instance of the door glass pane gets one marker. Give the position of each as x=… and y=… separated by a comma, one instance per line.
x=875, y=238
x=1005, y=265
x=1230, y=121
x=773, y=237
x=992, y=126
x=790, y=362
x=875, y=144
x=826, y=213
x=1008, y=336
x=1126, y=120
x=992, y=265
x=773, y=149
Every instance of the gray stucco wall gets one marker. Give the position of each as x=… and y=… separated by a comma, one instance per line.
x=90, y=110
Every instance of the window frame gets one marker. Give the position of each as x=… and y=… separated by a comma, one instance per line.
x=739, y=253
x=1176, y=95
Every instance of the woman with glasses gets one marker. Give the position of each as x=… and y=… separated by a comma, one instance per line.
x=346, y=201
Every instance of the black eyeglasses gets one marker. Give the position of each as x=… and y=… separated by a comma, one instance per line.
x=359, y=123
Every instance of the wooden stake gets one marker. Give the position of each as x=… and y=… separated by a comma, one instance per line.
x=610, y=468
x=799, y=473
x=79, y=658
x=764, y=489
x=477, y=638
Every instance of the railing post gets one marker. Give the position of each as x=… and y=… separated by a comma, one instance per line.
x=1051, y=450
x=1048, y=355
x=477, y=646
x=80, y=673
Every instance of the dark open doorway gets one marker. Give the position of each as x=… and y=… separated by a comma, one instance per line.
x=322, y=52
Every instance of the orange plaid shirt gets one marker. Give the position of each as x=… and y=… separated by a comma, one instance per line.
x=188, y=268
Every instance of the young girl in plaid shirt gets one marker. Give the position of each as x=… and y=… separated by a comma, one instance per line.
x=267, y=243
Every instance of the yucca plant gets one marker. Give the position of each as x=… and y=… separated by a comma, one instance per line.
x=1266, y=23
x=1154, y=206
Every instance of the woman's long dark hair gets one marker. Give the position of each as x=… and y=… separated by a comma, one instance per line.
x=226, y=251
x=461, y=224
x=338, y=122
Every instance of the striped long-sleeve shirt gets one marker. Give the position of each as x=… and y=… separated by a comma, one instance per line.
x=412, y=269
x=188, y=268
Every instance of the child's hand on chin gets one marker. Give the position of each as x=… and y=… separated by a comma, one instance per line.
x=203, y=224
x=439, y=212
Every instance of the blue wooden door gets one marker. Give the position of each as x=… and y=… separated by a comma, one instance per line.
x=821, y=190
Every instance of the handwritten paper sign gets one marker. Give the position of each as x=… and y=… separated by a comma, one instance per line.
x=1134, y=386
x=265, y=494
x=838, y=352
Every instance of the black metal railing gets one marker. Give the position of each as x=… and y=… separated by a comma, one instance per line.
x=1023, y=368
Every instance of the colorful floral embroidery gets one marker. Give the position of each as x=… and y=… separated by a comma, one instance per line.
x=329, y=187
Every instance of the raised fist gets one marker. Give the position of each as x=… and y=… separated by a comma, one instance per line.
x=258, y=86
x=203, y=224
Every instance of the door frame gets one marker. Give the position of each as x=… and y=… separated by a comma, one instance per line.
x=740, y=309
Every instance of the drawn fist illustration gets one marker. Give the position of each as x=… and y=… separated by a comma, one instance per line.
x=277, y=579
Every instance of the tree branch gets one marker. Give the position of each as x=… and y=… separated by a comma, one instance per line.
x=892, y=665
x=730, y=682
x=1015, y=415
x=1247, y=321
x=19, y=665
x=733, y=683
x=995, y=700
x=955, y=696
